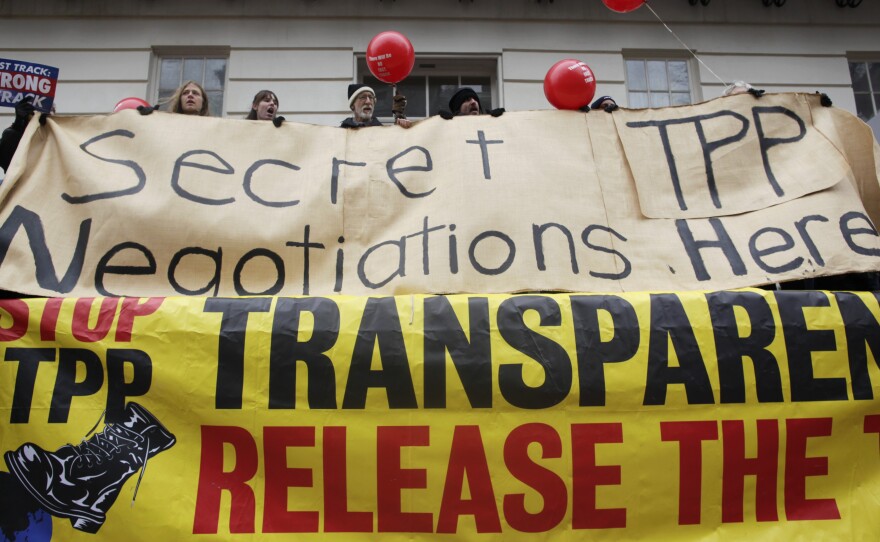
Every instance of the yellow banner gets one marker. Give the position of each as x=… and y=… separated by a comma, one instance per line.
x=729, y=193
x=663, y=416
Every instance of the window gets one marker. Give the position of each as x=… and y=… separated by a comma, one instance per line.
x=431, y=84
x=208, y=71
x=866, y=87
x=657, y=82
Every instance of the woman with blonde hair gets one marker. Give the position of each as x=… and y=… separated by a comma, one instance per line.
x=190, y=99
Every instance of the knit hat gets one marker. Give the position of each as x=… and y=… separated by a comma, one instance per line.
x=596, y=103
x=462, y=95
x=356, y=89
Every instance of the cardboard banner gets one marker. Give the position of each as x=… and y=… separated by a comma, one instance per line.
x=729, y=193
x=20, y=80
x=678, y=416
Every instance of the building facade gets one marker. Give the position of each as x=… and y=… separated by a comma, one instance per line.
x=308, y=51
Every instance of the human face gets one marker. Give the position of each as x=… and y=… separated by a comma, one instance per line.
x=363, y=106
x=191, y=100
x=267, y=107
x=470, y=107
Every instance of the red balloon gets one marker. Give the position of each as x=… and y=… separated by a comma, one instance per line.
x=623, y=6
x=569, y=84
x=390, y=56
x=130, y=103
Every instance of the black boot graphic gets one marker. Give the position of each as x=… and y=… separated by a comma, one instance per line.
x=82, y=481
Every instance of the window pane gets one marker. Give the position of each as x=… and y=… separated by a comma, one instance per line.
x=657, y=75
x=638, y=100
x=414, y=90
x=659, y=99
x=876, y=102
x=681, y=98
x=215, y=102
x=864, y=107
x=383, y=96
x=859, y=73
x=169, y=74
x=215, y=73
x=635, y=75
x=874, y=72
x=440, y=89
x=193, y=69
x=678, y=75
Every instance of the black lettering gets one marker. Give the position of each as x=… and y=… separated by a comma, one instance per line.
x=265, y=253
x=592, y=352
x=215, y=255
x=380, y=325
x=392, y=172
x=66, y=386
x=505, y=265
x=117, y=388
x=334, y=176
x=472, y=359
x=134, y=166
x=104, y=267
x=787, y=243
x=627, y=266
x=801, y=226
x=862, y=333
x=45, y=269
x=287, y=350
x=227, y=169
x=551, y=356
x=724, y=242
x=401, y=263
x=29, y=360
x=426, y=267
x=538, y=237
x=767, y=143
x=230, y=351
x=669, y=323
x=732, y=347
x=248, y=181
x=484, y=150
x=305, y=245
x=845, y=229
x=801, y=342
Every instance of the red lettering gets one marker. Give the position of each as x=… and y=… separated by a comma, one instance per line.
x=132, y=308
x=798, y=467
x=736, y=467
x=213, y=480
x=872, y=423
x=337, y=517
x=18, y=311
x=81, y=311
x=547, y=483
x=276, y=517
x=392, y=478
x=690, y=436
x=586, y=475
x=467, y=459
x=49, y=320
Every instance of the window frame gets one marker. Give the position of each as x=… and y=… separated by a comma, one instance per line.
x=666, y=56
x=873, y=93
x=204, y=53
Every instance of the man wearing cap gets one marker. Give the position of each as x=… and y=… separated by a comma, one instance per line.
x=465, y=101
x=362, y=102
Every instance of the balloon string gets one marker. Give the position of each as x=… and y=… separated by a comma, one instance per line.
x=684, y=44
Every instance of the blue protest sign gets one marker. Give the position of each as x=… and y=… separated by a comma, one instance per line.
x=19, y=80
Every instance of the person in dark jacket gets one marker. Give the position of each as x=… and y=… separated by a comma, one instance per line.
x=24, y=109
x=362, y=102
x=466, y=101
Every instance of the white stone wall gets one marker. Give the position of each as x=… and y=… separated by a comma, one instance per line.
x=305, y=50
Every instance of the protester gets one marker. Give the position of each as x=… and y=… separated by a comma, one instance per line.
x=189, y=99
x=265, y=107
x=605, y=102
x=466, y=101
x=24, y=109
x=362, y=102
